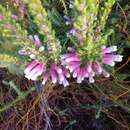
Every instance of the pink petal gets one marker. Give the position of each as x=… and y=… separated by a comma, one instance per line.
x=65, y=82
x=91, y=79
x=35, y=72
x=108, y=59
x=73, y=67
x=98, y=67
x=80, y=76
x=55, y=67
x=53, y=76
x=74, y=63
x=85, y=72
x=46, y=77
x=109, y=49
x=73, y=58
x=30, y=66
x=117, y=58
x=89, y=67
x=105, y=73
x=108, y=62
x=67, y=55
x=75, y=73
x=61, y=77
x=66, y=72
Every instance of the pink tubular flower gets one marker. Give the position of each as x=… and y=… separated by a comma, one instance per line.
x=34, y=69
x=110, y=59
x=58, y=69
x=60, y=74
x=45, y=77
x=73, y=63
x=57, y=75
x=105, y=73
x=98, y=67
x=109, y=49
x=54, y=76
x=66, y=72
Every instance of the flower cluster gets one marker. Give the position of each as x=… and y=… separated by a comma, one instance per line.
x=69, y=62
x=32, y=53
x=72, y=61
x=56, y=73
x=36, y=68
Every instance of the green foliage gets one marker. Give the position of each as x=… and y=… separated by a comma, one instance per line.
x=12, y=36
x=44, y=26
x=90, y=23
x=104, y=12
x=119, y=21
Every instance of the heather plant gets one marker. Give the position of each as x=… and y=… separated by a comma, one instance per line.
x=44, y=50
x=48, y=51
x=87, y=29
x=91, y=53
